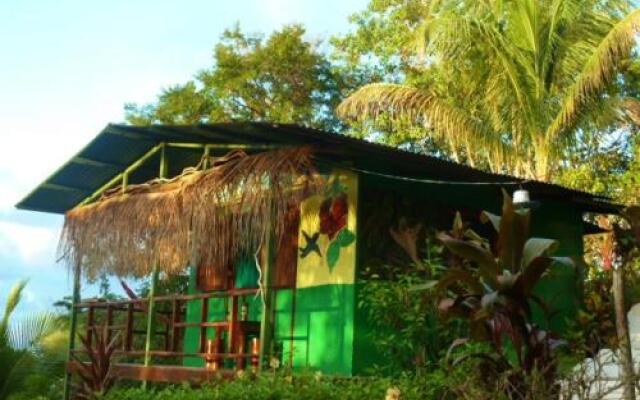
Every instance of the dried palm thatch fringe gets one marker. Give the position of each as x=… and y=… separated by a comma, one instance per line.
x=229, y=208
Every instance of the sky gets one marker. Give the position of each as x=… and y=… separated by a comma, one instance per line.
x=67, y=67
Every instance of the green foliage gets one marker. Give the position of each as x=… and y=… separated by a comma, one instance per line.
x=405, y=326
x=492, y=288
x=31, y=350
x=283, y=386
x=283, y=78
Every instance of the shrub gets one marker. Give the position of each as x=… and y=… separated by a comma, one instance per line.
x=280, y=386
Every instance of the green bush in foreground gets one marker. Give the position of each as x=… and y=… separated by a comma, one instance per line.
x=271, y=386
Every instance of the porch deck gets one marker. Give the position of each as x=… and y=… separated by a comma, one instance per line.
x=223, y=345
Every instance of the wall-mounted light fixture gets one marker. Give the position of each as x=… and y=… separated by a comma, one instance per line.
x=522, y=200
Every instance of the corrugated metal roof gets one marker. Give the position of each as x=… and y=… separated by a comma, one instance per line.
x=117, y=146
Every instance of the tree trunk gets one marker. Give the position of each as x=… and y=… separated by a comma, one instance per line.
x=622, y=330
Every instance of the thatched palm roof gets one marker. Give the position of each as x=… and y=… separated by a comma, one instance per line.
x=214, y=214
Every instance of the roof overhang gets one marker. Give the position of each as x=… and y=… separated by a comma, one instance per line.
x=114, y=149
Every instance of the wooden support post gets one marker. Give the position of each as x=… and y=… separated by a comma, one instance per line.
x=128, y=341
x=622, y=330
x=233, y=328
x=73, y=327
x=150, y=328
x=204, y=316
x=163, y=170
x=207, y=152
x=266, y=323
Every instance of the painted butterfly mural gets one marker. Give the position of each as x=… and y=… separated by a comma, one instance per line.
x=333, y=215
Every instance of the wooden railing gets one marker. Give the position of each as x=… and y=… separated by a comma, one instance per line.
x=120, y=317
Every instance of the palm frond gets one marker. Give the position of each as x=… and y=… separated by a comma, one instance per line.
x=27, y=333
x=598, y=71
x=405, y=102
x=15, y=294
x=24, y=351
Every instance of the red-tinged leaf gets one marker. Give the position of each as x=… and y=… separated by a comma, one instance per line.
x=458, y=307
x=446, y=304
x=460, y=276
x=514, y=230
x=482, y=257
x=530, y=277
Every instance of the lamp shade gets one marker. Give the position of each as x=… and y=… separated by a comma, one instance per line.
x=521, y=196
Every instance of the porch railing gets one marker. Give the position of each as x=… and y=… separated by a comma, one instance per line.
x=170, y=313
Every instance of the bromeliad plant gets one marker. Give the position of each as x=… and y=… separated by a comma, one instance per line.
x=492, y=288
x=95, y=376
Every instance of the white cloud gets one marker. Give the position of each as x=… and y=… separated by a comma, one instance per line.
x=34, y=245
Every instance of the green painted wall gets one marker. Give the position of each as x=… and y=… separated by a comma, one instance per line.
x=323, y=328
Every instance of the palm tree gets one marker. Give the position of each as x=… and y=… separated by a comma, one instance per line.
x=23, y=345
x=517, y=80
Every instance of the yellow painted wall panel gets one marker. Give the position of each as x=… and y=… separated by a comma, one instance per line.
x=327, y=239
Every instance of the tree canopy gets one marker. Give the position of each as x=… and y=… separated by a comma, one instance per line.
x=504, y=85
x=282, y=78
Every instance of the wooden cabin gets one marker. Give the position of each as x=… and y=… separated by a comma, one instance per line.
x=273, y=274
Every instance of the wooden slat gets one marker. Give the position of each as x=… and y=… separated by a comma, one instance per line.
x=211, y=324
x=157, y=373
x=175, y=319
x=168, y=298
x=178, y=354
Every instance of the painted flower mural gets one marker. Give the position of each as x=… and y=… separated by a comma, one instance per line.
x=333, y=214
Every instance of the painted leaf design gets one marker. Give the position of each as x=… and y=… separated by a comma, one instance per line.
x=345, y=237
x=333, y=254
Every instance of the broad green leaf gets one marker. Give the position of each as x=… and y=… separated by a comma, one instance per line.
x=345, y=237
x=333, y=254
x=537, y=247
